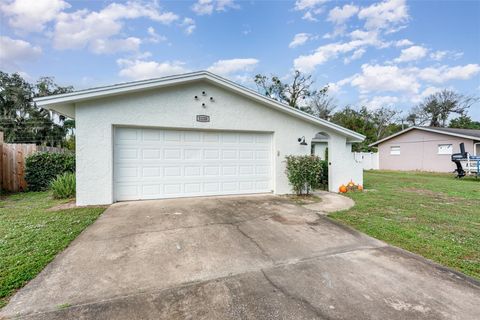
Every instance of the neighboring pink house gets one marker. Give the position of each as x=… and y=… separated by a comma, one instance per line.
x=425, y=148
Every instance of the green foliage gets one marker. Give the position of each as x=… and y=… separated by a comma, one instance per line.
x=304, y=172
x=464, y=122
x=431, y=214
x=63, y=187
x=32, y=235
x=20, y=120
x=374, y=124
x=42, y=167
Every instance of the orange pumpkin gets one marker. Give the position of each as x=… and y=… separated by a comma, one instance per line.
x=342, y=189
x=360, y=187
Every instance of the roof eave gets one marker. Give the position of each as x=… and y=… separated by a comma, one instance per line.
x=74, y=97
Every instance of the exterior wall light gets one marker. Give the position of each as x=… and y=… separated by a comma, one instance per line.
x=302, y=141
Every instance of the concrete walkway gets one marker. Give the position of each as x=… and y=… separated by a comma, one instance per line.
x=258, y=257
x=330, y=202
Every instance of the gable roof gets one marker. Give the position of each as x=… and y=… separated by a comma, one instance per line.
x=461, y=133
x=69, y=99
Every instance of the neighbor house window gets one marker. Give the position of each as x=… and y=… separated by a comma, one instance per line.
x=395, y=150
x=477, y=149
x=445, y=149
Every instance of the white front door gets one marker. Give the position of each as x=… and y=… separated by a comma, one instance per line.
x=157, y=163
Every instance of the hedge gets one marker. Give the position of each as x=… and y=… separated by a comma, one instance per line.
x=42, y=168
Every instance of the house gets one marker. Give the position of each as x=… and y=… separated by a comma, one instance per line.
x=194, y=134
x=425, y=148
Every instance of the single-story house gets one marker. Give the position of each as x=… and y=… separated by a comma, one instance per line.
x=425, y=148
x=194, y=134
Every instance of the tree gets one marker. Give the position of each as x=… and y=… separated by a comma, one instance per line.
x=373, y=124
x=20, y=119
x=320, y=104
x=437, y=108
x=291, y=94
x=464, y=122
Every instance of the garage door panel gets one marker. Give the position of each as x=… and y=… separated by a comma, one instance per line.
x=151, y=163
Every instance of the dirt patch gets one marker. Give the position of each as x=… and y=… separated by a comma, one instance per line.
x=71, y=205
x=288, y=221
x=303, y=199
x=433, y=194
x=64, y=206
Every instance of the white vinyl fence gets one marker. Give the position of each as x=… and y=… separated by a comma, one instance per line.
x=369, y=160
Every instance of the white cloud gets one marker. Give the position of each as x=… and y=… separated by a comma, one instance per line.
x=206, y=7
x=445, y=73
x=357, y=54
x=388, y=15
x=141, y=69
x=425, y=93
x=378, y=78
x=440, y=55
x=299, y=39
x=360, y=39
x=102, y=46
x=340, y=15
x=32, y=15
x=406, y=81
x=227, y=67
x=403, y=43
x=308, y=4
x=189, y=25
x=411, y=54
x=154, y=36
x=85, y=28
x=380, y=101
x=311, y=8
x=16, y=51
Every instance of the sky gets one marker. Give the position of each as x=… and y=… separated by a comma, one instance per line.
x=375, y=53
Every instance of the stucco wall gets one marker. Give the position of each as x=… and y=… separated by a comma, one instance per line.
x=419, y=151
x=175, y=107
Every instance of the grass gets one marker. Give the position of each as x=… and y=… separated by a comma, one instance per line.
x=31, y=235
x=433, y=215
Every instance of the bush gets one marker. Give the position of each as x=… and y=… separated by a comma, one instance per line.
x=63, y=187
x=42, y=167
x=304, y=173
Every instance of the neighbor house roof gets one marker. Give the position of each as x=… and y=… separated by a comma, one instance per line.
x=461, y=133
x=61, y=101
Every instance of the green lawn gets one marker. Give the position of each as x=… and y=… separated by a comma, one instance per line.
x=433, y=215
x=31, y=236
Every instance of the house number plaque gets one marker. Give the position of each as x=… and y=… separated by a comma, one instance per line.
x=203, y=118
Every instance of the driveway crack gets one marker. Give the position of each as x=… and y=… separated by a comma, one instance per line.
x=254, y=242
x=303, y=301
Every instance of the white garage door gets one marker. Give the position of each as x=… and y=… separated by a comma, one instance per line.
x=153, y=163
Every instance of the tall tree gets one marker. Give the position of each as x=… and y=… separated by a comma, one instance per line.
x=290, y=93
x=373, y=124
x=320, y=104
x=20, y=119
x=437, y=109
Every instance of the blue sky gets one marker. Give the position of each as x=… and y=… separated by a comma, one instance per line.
x=377, y=53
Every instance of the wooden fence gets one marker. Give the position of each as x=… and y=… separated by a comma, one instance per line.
x=12, y=163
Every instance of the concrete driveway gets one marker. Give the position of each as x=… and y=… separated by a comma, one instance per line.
x=258, y=257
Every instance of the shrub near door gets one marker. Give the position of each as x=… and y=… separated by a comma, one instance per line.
x=42, y=168
x=304, y=173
